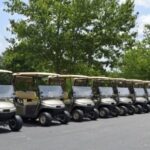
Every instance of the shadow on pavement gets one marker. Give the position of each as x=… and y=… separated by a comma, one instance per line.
x=30, y=123
x=3, y=131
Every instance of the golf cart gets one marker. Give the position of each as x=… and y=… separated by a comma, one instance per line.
x=147, y=90
x=124, y=97
x=81, y=98
x=103, y=92
x=36, y=99
x=7, y=108
x=140, y=100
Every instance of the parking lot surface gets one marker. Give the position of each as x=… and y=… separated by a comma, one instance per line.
x=121, y=133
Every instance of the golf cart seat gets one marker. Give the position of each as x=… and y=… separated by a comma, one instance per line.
x=27, y=95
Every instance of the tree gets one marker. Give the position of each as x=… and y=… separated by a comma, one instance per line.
x=65, y=34
x=136, y=62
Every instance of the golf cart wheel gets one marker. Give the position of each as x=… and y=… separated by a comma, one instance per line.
x=139, y=109
x=123, y=110
x=15, y=124
x=148, y=105
x=45, y=119
x=104, y=112
x=131, y=110
x=77, y=115
x=65, y=117
x=145, y=109
x=114, y=112
x=94, y=114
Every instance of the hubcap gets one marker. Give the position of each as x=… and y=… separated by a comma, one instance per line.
x=136, y=109
x=113, y=112
x=76, y=116
x=121, y=111
x=13, y=123
x=92, y=115
x=102, y=113
x=130, y=110
x=42, y=119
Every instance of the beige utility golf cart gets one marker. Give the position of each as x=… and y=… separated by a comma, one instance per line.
x=37, y=100
x=124, y=96
x=147, y=90
x=81, y=98
x=137, y=88
x=7, y=108
x=106, y=99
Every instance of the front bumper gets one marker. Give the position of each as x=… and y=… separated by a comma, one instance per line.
x=6, y=116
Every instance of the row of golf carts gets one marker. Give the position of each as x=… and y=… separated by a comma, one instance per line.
x=47, y=97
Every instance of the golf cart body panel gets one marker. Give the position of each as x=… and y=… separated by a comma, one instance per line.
x=53, y=103
x=109, y=101
x=84, y=102
x=141, y=100
x=126, y=100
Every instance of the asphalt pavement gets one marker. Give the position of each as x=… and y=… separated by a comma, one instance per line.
x=121, y=133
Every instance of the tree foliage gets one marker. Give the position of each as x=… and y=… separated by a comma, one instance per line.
x=71, y=36
x=136, y=62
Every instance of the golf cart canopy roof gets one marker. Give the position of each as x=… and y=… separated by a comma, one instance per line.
x=36, y=74
x=119, y=80
x=5, y=71
x=135, y=81
x=108, y=79
x=99, y=78
x=73, y=76
x=147, y=82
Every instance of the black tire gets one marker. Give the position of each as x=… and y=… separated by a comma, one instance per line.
x=65, y=118
x=15, y=124
x=45, y=119
x=139, y=109
x=114, y=112
x=131, y=110
x=123, y=110
x=77, y=115
x=145, y=108
x=104, y=112
x=148, y=105
x=94, y=114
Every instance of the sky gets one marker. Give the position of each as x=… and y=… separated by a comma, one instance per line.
x=141, y=6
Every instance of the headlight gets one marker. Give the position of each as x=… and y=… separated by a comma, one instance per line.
x=1, y=110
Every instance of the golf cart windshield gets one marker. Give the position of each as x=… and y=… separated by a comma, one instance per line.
x=82, y=91
x=106, y=91
x=148, y=91
x=139, y=91
x=47, y=91
x=123, y=91
x=6, y=91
